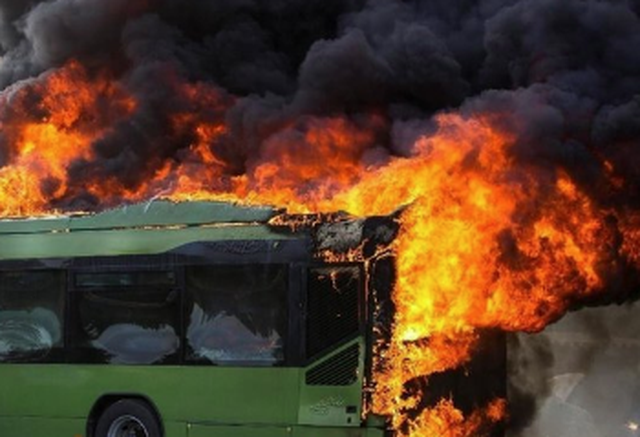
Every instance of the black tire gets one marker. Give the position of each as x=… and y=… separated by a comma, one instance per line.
x=128, y=418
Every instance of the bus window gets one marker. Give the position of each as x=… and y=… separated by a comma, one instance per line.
x=119, y=279
x=332, y=306
x=123, y=319
x=237, y=314
x=31, y=314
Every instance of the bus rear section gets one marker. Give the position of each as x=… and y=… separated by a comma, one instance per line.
x=198, y=319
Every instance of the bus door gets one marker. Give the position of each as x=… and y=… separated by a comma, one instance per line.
x=331, y=392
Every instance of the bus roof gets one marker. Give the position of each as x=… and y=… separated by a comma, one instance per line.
x=145, y=228
x=156, y=213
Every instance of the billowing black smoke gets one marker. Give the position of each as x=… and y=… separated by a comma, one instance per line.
x=566, y=73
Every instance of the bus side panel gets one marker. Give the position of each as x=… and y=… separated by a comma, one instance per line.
x=182, y=394
x=175, y=429
x=201, y=430
x=327, y=403
x=41, y=427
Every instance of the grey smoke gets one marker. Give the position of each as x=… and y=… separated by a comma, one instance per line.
x=585, y=381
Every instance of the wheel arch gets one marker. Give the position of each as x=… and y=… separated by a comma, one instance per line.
x=107, y=399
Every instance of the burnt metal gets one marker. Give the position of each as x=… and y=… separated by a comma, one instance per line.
x=379, y=232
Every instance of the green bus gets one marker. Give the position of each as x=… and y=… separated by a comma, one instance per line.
x=189, y=319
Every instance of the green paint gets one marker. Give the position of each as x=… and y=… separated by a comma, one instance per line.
x=52, y=400
x=152, y=213
x=123, y=242
x=326, y=405
x=184, y=394
x=41, y=427
x=149, y=228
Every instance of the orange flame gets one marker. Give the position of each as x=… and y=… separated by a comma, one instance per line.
x=445, y=420
x=44, y=140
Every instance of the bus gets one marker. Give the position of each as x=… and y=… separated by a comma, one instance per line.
x=191, y=319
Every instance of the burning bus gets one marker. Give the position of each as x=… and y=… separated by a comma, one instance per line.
x=200, y=318
x=234, y=325
x=510, y=144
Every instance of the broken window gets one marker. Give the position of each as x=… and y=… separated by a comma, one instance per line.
x=126, y=318
x=236, y=314
x=31, y=314
x=333, y=294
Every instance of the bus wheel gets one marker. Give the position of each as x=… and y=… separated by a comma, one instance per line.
x=128, y=418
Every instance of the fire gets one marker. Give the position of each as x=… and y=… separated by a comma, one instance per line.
x=485, y=241
x=22, y=182
x=482, y=244
x=445, y=420
x=301, y=168
x=44, y=140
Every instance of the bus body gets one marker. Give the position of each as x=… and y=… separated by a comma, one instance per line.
x=188, y=320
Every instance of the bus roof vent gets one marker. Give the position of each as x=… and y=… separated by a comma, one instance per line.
x=340, y=369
